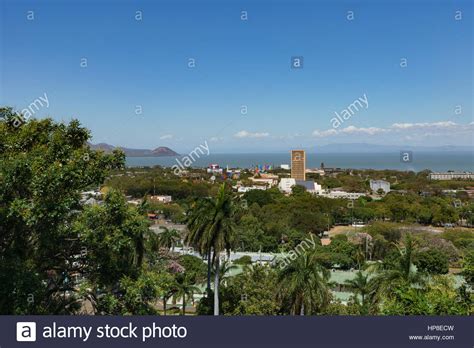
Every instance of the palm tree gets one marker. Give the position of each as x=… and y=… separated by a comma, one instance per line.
x=168, y=238
x=304, y=285
x=197, y=223
x=220, y=235
x=185, y=288
x=152, y=242
x=390, y=275
x=224, y=271
x=211, y=230
x=166, y=296
x=361, y=286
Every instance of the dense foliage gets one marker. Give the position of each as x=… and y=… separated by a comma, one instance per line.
x=59, y=255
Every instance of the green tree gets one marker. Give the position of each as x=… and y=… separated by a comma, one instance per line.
x=251, y=236
x=138, y=296
x=194, y=268
x=261, y=197
x=303, y=285
x=461, y=238
x=212, y=229
x=152, y=244
x=245, y=260
x=198, y=223
x=167, y=238
x=390, y=231
x=361, y=287
x=44, y=165
x=225, y=269
x=298, y=190
x=184, y=289
x=468, y=266
x=396, y=272
x=438, y=297
x=251, y=292
x=432, y=261
x=112, y=235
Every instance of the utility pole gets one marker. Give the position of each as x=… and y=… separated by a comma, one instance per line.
x=352, y=215
x=366, y=246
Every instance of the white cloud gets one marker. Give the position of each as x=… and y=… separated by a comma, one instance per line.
x=442, y=124
x=246, y=134
x=349, y=130
x=325, y=133
x=421, y=129
x=166, y=136
x=369, y=130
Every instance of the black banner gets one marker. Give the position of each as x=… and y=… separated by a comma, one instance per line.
x=176, y=331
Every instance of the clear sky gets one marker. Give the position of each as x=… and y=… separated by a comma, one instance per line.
x=412, y=61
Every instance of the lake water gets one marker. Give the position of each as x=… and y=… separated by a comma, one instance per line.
x=443, y=161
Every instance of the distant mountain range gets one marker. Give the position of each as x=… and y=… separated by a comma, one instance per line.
x=164, y=151
x=373, y=148
x=161, y=151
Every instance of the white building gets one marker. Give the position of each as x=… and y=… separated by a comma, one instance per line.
x=161, y=199
x=268, y=181
x=310, y=186
x=342, y=194
x=243, y=189
x=285, y=166
x=214, y=169
x=315, y=171
x=286, y=184
x=376, y=185
x=94, y=194
x=91, y=201
x=450, y=175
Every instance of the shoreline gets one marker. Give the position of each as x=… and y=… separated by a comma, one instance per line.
x=458, y=161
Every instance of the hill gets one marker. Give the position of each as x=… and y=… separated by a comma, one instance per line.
x=161, y=151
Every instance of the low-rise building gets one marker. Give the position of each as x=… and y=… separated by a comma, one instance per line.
x=91, y=201
x=331, y=171
x=134, y=201
x=243, y=189
x=91, y=197
x=266, y=179
x=315, y=171
x=376, y=185
x=214, y=169
x=310, y=186
x=161, y=199
x=341, y=194
x=94, y=194
x=233, y=173
x=452, y=175
x=325, y=241
x=286, y=184
x=268, y=176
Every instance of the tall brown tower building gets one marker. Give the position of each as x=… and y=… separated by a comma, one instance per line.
x=298, y=164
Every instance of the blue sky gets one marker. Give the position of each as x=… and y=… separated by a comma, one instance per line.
x=244, y=63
